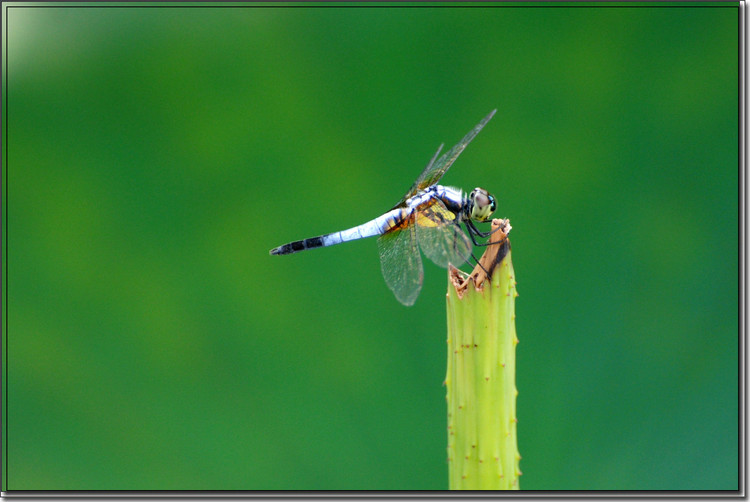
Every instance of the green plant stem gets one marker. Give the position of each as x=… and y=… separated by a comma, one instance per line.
x=480, y=381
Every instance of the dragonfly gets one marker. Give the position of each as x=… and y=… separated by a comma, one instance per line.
x=429, y=216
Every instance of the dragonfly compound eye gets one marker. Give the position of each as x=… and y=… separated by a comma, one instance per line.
x=484, y=205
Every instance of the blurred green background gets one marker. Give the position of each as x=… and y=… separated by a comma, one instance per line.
x=155, y=155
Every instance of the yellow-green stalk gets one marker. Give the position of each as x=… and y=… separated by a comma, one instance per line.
x=481, y=382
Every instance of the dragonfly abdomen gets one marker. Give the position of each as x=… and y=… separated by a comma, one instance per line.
x=374, y=227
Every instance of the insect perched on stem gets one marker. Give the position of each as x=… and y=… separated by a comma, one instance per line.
x=429, y=214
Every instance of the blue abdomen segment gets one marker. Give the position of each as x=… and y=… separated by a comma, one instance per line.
x=374, y=227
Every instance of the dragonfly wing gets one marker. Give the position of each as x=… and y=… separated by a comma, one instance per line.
x=401, y=263
x=436, y=170
x=440, y=236
x=415, y=187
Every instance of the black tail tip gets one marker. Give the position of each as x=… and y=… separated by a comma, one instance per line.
x=275, y=251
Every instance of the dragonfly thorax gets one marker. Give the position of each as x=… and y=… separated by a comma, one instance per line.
x=481, y=204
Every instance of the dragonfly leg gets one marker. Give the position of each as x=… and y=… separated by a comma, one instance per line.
x=473, y=230
x=478, y=232
x=480, y=265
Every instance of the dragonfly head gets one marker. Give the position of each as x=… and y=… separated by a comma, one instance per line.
x=482, y=204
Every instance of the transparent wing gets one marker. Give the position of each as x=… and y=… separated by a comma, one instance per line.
x=440, y=236
x=401, y=263
x=435, y=170
x=415, y=186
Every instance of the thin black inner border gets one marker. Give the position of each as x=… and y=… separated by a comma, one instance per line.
x=684, y=4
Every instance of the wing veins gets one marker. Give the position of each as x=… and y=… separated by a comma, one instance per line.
x=435, y=170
